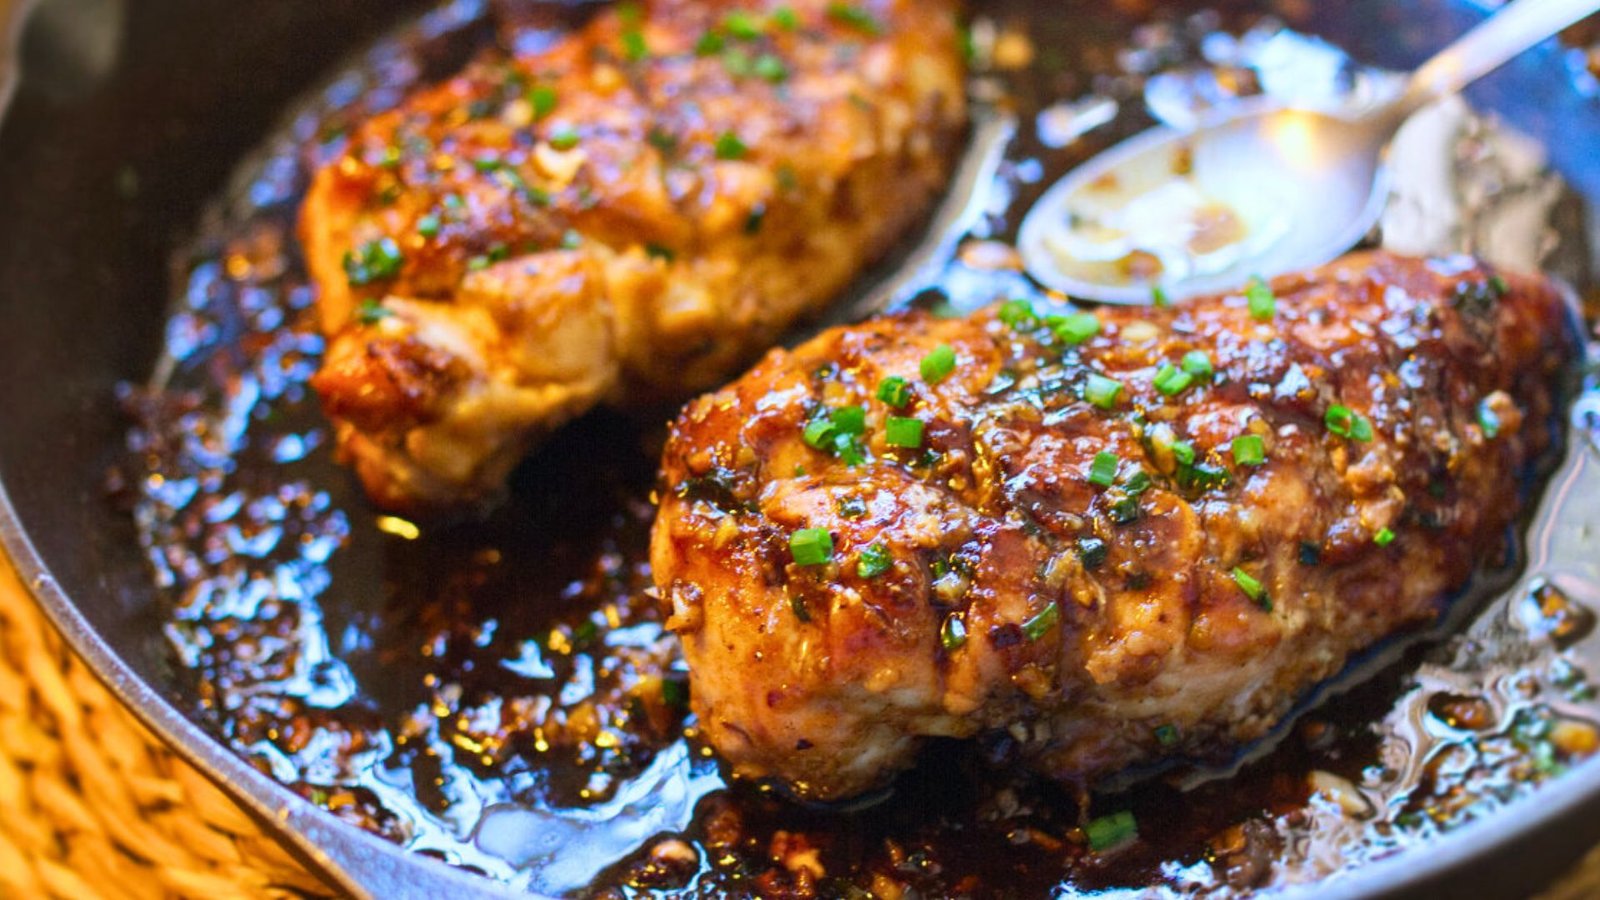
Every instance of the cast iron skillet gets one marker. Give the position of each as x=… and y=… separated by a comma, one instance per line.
x=83, y=282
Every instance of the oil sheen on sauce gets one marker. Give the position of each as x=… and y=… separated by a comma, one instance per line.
x=500, y=693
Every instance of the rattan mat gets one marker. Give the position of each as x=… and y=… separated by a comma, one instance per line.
x=93, y=805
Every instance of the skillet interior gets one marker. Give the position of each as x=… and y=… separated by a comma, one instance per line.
x=83, y=256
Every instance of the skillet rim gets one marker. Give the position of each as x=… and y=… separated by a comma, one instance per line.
x=1473, y=860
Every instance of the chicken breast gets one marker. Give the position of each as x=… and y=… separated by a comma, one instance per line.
x=630, y=215
x=1117, y=536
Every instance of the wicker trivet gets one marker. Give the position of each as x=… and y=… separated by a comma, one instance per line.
x=93, y=805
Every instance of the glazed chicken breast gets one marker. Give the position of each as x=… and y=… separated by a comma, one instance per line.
x=1119, y=536
x=630, y=215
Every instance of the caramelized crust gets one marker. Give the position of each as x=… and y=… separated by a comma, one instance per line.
x=629, y=215
x=1180, y=610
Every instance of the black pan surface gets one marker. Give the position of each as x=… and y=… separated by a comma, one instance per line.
x=103, y=175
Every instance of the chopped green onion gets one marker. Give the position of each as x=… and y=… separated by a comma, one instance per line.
x=542, y=98
x=710, y=44
x=1488, y=419
x=1040, y=625
x=1252, y=588
x=1347, y=423
x=1103, y=470
x=634, y=46
x=1310, y=553
x=572, y=239
x=938, y=364
x=1093, y=552
x=855, y=17
x=1384, y=537
x=849, y=450
x=797, y=604
x=742, y=25
x=811, y=546
x=1263, y=305
x=785, y=17
x=894, y=391
x=902, y=432
x=1499, y=286
x=852, y=507
x=1112, y=831
x=1018, y=314
x=1158, y=296
x=656, y=251
x=850, y=419
x=1077, y=327
x=1183, y=452
x=371, y=312
x=768, y=67
x=1166, y=735
x=1249, y=450
x=1171, y=380
x=737, y=62
x=730, y=147
x=953, y=634
x=376, y=260
x=1102, y=391
x=819, y=434
x=428, y=225
x=564, y=138
x=1125, y=508
x=874, y=561
x=675, y=693
x=1137, y=483
x=1198, y=364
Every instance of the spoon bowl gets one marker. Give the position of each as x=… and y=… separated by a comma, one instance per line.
x=1256, y=191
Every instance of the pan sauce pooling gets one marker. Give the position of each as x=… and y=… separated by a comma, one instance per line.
x=423, y=682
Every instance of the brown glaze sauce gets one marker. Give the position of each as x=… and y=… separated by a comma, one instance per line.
x=500, y=693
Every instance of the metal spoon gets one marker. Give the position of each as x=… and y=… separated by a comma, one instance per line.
x=1258, y=190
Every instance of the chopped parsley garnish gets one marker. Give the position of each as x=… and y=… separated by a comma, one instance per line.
x=1040, y=625
x=1102, y=391
x=903, y=432
x=1103, y=470
x=376, y=260
x=1263, y=304
x=1384, y=537
x=730, y=147
x=938, y=364
x=1347, y=423
x=953, y=634
x=855, y=17
x=1111, y=831
x=1198, y=364
x=811, y=546
x=543, y=100
x=428, y=225
x=1252, y=588
x=874, y=561
x=895, y=391
x=1249, y=450
x=564, y=138
x=371, y=312
x=1171, y=380
x=1076, y=328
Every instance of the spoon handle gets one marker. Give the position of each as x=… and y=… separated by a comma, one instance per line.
x=1517, y=27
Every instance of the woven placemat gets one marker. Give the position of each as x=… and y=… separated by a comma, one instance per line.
x=93, y=805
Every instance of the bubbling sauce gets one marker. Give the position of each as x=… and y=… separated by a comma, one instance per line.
x=500, y=694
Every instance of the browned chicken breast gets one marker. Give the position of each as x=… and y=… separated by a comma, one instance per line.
x=1120, y=536
x=630, y=215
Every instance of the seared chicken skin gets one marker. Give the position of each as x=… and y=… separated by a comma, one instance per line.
x=1120, y=536
x=630, y=215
